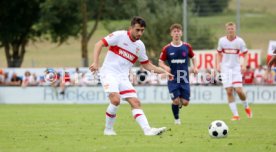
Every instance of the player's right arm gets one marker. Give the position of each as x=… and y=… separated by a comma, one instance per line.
x=150, y=67
x=97, y=50
x=162, y=59
x=163, y=65
x=110, y=40
x=219, y=56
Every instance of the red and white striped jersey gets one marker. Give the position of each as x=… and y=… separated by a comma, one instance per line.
x=123, y=53
x=231, y=51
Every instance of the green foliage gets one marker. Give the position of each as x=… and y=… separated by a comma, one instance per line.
x=60, y=19
x=201, y=37
x=208, y=7
x=17, y=18
x=119, y=9
x=159, y=20
x=160, y=15
x=25, y=20
x=30, y=18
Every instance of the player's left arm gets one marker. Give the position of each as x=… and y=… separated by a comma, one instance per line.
x=192, y=56
x=245, y=60
x=245, y=55
x=194, y=63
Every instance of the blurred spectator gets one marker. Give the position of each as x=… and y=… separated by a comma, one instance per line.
x=163, y=79
x=6, y=78
x=193, y=78
x=66, y=81
x=269, y=76
x=153, y=79
x=259, y=75
x=2, y=77
x=248, y=76
x=29, y=80
x=77, y=76
x=209, y=78
x=142, y=76
x=272, y=61
x=15, y=80
x=274, y=70
x=137, y=76
x=35, y=81
x=89, y=79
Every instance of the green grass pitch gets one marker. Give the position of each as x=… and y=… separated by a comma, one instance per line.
x=79, y=128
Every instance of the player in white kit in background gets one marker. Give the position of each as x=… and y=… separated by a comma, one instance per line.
x=228, y=63
x=125, y=48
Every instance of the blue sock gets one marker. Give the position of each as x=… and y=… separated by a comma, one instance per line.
x=175, y=110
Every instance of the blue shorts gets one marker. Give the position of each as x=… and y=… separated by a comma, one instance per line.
x=179, y=90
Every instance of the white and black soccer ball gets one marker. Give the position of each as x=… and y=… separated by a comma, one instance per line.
x=218, y=129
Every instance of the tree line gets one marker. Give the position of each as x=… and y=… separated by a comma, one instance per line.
x=23, y=21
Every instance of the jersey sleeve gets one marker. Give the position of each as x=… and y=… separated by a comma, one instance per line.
x=219, y=49
x=142, y=57
x=191, y=52
x=163, y=55
x=243, y=47
x=111, y=39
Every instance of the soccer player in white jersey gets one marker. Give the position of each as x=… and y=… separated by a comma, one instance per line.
x=125, y=48
x=228, y=63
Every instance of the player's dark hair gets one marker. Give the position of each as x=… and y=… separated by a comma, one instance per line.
x=176, y=25
x=138, y=20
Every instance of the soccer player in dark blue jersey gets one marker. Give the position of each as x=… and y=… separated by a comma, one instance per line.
x=177, y=54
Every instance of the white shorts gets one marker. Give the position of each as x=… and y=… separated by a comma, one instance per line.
x=231, y=77
x=117, y=84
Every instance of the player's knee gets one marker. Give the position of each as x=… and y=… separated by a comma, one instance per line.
x=185, y=103
x=176, y=101
x=229, y=93
x=114, y=98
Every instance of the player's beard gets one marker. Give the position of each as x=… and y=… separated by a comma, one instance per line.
x=137, y=37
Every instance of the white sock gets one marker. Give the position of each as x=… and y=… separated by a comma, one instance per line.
x=110, y=116
x=141, y=119
x=245, y=104
x=233, y=108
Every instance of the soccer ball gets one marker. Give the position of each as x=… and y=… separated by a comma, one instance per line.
x=218, y=129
